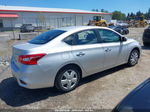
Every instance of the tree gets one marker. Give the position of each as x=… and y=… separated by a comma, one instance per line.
x=95, y=10
x=147, y=14
x=139, y=14
x=132, y=15
x=118, y=15
x=103, y=10
x=128, y=17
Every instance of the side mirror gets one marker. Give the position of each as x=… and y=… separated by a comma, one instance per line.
x=123, y=39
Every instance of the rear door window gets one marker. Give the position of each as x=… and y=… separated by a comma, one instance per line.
x=82, y=38
x=46, y=37
x=86, y=37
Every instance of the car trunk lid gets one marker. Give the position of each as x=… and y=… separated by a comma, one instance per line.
x=22, y=49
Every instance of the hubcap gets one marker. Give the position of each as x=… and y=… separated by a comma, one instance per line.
x=69, y=79
x=134, y=57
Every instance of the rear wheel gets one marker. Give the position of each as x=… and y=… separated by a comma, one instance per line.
x=67, y=79
x=133, y=58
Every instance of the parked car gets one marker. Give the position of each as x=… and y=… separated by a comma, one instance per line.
x=137, y=101
x=61, y=57
x=146, y=36
x=126, y=25
x=27, y=28
x=120, y=29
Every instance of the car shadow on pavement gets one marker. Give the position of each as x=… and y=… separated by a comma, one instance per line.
x=14, y=95
x=146, y=47
x=102, y=74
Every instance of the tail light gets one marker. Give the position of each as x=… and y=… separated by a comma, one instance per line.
x=30, y=59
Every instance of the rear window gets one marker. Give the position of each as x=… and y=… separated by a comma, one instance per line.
x=46, y=37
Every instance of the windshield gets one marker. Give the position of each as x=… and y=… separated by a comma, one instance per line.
x=46, y=37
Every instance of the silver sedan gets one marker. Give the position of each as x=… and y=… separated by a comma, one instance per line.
x=61, y=57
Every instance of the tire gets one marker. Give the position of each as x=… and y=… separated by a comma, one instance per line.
x=133, y=58
x=64, y=82
x=127, y=31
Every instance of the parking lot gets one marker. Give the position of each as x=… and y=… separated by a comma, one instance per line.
x=100, y=91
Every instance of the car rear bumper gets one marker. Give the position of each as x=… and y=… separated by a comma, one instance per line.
x=32, y=77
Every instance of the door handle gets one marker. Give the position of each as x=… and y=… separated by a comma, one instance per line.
x=81, y=54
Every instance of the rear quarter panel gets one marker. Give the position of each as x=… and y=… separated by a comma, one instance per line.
x=55, y=60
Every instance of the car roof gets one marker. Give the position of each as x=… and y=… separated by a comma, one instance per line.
x=139, y=98
x=75, y=28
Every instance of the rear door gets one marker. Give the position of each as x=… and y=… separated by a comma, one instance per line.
x=88, y=51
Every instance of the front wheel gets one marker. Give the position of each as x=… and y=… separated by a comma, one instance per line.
x=67, y=79
x=133, y=58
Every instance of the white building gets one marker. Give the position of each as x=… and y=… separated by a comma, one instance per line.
x=15, y=16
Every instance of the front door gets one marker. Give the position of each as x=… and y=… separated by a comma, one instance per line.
x=112, y=46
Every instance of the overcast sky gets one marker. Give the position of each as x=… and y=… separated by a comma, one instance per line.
x=110, y=5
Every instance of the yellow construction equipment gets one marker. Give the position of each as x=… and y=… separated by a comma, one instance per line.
x=138, y=22
x=98, y=21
